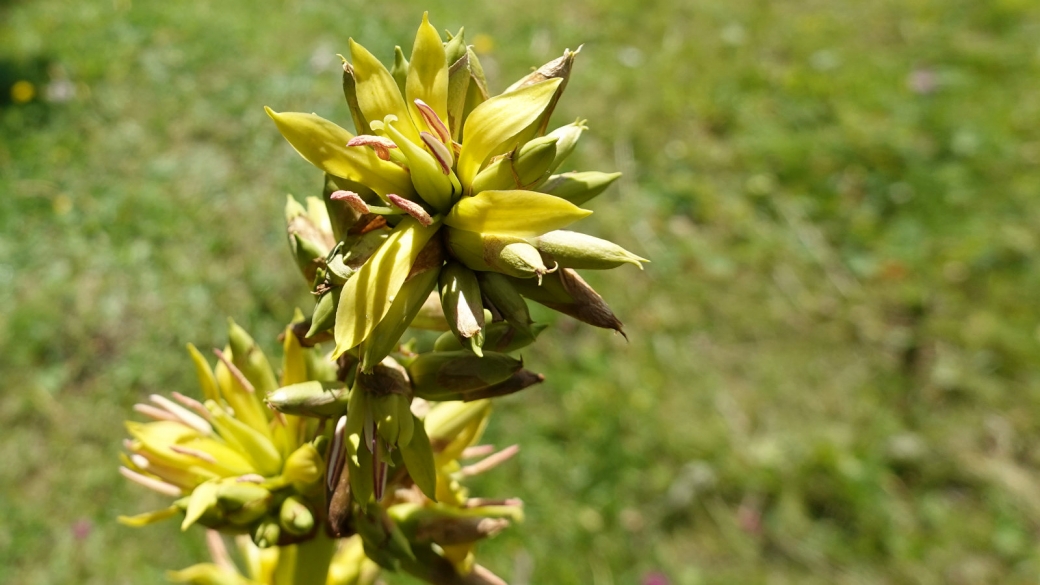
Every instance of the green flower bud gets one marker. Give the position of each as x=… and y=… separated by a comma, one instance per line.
x=304, y=468
x=311, y=398
x=295, y=517
x=324, y=317
x=250, y=360
x=460, y=299
x=458, y=88
x=400, y=69
x=509, y=255
x=350, y=93
x=503, y=296
x=267, y=533
x=566, y=140
x=442, y=373
x=455, y=48
x=500, y=336
x=577, y=250
x=578, y=187
x=520, y=169
x=517, y=382
x=242, y=502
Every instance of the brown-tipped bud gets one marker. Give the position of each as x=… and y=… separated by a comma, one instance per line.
x=578, y=187
x=436, y=374
x=517, y=382
x=295, y=517
x=510, y=255
x=568, y=293
x=447, y=531
x=350, y=93
x=310, y=399
x=557, y=68
x=502, y=295
x=341, y=505
x=577, y=250
x=460, y=299
x=499, y=336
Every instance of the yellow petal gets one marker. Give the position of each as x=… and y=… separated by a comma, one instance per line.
x=513, y=213
x=377, y=92
x=492, y=126
x=324, y=145
x=428, y=74
x=367, y=296
x=149, y=517
x=205, y=374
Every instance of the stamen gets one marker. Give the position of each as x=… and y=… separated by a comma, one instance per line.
x=411, y=208
x=379, y=144
x=193, y=453
x=440, y=152
x=483, y=502
x=250, y=478
x=477, y=451
x=433, y=121
x=353, y=200
x=140, y=461
x=490, y=462
x=166, y=489
x=218, y=550
x=186, y=416
x=237, y=373
x=156, y=413
x=192, y=404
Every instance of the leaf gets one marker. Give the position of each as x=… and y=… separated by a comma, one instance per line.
x=495, y=123
x=367, y=296
x=513, y=213
x=324, y=145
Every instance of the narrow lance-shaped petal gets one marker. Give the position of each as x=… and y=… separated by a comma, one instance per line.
x=324, y=145
x=377, y=92
x=427, y=75
x=513, y=213
x=494, y=124
x=367, y=296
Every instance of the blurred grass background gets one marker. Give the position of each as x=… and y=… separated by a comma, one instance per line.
x=832, y=375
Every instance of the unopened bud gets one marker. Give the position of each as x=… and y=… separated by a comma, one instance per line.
x=295, y=517
x=311, y=398
x=578, y=187
x=443, y=373
x=577, y=250
x=460, y=299
x=350, y=93
x=243, y=502
x=568, y=293
x=400, y=69
x=324, y=317
x=510, y=255
x=566, y=140
x=267, y=534
x=304, y=468
x=503, y=296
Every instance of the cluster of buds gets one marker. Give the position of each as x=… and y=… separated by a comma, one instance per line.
x=445, y=213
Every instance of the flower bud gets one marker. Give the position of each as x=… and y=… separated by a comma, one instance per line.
x=250, y=360
x=324, y=316
x=400, y=69
x=439, y=373
x=578, y=187
x=460, y=299
x=304, y=468
x=267, y=533
x=311, y=398
x=566, y=140
x=242, y=502
x=509, y=255
x=295, y=517
x=577, y=250
x=455, y=48
x=350, y=93
x=568, y=293
x=503, y=296
x=500, y=336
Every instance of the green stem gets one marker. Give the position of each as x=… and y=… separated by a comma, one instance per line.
x=312, y=560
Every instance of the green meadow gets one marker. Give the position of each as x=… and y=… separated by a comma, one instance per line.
x=832, y=372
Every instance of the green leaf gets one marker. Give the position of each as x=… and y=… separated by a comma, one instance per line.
x=513, y=213
x=324, y=145
x=367, y=296
x=494, y=124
